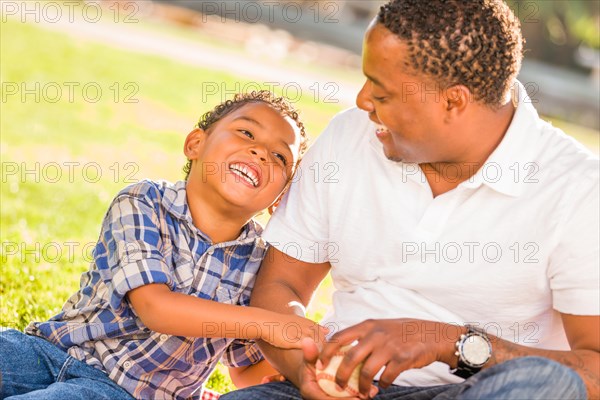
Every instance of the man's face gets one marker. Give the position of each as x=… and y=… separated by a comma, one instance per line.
x=246, y=158
x=410, y=111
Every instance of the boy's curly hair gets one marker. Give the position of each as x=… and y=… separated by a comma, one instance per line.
x=280, y=104
x=475, y=43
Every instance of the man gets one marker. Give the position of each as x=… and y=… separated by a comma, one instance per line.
x=461, y=231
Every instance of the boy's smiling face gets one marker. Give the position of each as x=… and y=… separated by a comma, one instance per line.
x=245, y=159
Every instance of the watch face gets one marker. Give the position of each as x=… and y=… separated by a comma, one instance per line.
x=475, y=350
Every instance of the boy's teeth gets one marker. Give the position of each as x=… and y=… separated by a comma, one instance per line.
x=246, y=173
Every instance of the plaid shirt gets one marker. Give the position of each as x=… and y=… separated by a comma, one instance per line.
x=148, y=237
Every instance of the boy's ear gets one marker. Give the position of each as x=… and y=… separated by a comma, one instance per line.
x=193, y=143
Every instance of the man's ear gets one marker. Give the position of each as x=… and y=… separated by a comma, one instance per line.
x=456, y=100
x=193, y=143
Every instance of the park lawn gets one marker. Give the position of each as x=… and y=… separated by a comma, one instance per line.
x=66, y=154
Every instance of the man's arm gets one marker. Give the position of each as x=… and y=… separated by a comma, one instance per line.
x=583, y=333
x=164, y=311
x=251, y=374
x=286, y=285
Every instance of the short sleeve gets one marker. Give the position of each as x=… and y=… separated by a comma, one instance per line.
x=241, y=353
x=129, y=252
x=574, y=270
x=300, y=224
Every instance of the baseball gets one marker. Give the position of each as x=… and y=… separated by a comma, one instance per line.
x=326, y=377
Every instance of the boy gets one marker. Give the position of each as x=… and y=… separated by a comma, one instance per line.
x=174, y=264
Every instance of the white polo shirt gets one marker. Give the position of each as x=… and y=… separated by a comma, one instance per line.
x=507, y=249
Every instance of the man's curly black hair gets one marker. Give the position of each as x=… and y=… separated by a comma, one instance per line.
x=475, y=43
x=280, y=104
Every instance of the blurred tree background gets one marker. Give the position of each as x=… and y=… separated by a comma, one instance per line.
x=561, y=32
x=561, y=70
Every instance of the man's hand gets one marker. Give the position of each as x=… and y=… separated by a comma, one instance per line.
x=400, y=344
x=272, y=378
x=309, y=388
x=393, y=344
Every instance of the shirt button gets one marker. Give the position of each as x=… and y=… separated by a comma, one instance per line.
x=127, y=364
x=210, y=251
x=164, y=337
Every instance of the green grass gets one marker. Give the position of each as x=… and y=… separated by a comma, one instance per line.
x=49, y=221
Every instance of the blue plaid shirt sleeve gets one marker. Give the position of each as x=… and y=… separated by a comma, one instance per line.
x=129, y=253
x=241, y=353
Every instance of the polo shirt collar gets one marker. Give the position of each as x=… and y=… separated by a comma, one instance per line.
x=507, y=168
x=175, y=202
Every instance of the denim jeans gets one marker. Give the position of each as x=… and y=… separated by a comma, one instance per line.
x=522, y=378
x=33, y=368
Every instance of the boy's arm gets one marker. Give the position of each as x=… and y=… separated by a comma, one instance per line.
x=130, y=261
x=251, y=375
x=164, y=311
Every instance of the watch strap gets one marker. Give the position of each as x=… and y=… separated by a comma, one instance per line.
x=465, y=371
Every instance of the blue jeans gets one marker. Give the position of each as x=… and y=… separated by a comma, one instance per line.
x=33, y=368
x=522, y=378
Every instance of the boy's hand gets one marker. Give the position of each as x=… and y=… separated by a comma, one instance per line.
x=287, y=331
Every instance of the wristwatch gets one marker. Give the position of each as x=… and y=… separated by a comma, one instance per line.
x=473, y=349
